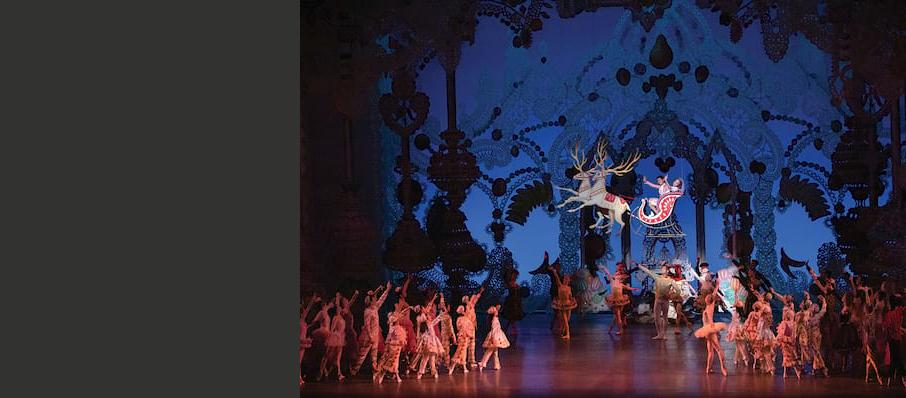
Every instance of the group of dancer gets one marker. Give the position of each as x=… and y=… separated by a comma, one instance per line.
x=420, y=346
x=831, y=329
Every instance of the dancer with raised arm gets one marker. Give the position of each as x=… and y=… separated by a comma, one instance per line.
x=429, y=346
x=469, y=302
x=335, y=342
x=617, y=300
x=466, y=333
x=662, y=188
x=447, y=333
x=564, y=303
x=662, y=289
x=390, y=359
x=370, y=338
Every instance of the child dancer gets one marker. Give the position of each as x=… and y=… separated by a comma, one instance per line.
x=370, y=338
x=428, y=344
x=752, y=330
x=466, y=333
x=710, y=331
x=494, y=342
x=786, y=338
x=801, y=322
x=405, y=320
x=390, y=360
x=335, y=343
x=304, y=340
x=617, y=300
x=736, y=334
x=564, y=303
x=815, y=337
x=446, y=332
x=469, y=303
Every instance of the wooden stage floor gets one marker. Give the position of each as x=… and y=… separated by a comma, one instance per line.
x=596, y=363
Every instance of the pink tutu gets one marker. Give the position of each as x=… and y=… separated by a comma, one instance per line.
x=707, y=330
x=618, y=301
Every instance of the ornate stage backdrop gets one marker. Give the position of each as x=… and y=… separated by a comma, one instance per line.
x=771, y=149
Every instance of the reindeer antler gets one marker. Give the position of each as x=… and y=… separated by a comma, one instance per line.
x=578, y=164
x=600, y=153
x=624, y=167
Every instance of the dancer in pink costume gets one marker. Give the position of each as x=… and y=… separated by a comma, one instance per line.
x=335, y=342
x=447, y=333
x=393, y=347
x=495, y=340
x=466, y=334
x=786, y=339
x=564, y=303
x=469, y=303
x=617, y=300
x=814, y=337
x=429, y=347
x=370, y=338
x=736, y=334
x=405, y=320
x=710, y=331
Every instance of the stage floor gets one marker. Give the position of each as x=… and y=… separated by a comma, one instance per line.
x=596, y=363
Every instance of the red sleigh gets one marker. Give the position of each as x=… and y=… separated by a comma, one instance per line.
x=664, y=209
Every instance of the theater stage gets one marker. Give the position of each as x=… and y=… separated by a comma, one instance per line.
x=596, y=363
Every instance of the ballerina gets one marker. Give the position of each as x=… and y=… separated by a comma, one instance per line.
x=393, y=346
x=495, y=340
x=304, y=340
x=466, y=333
x=617, y=300
x=710, y=331
x=564, y=303
x=370, y=338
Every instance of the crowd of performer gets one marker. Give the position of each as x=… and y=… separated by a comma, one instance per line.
x=830, y=330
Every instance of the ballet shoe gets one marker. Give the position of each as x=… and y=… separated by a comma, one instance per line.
x=497, y=368
x=398, y=379
x=723, y=371
x=435, y=375
x=419, y=377
x=450, y=373
x=619, y=333
x=341, y=377
x=465, y=370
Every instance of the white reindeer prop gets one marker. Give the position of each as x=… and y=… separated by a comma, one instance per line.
x=598, y=196
x=584, y=178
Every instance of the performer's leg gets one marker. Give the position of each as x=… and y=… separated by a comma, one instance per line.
x=496, y=359
x=484, y=359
